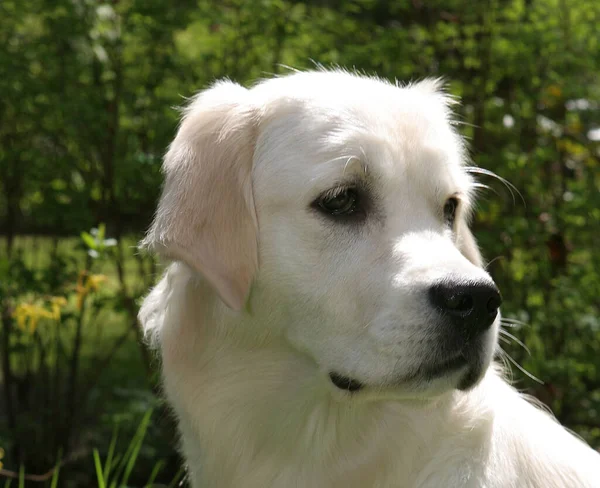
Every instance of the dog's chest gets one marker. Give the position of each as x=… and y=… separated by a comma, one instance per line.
x=232, y=448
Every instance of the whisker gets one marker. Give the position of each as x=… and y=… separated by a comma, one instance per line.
x=513, y=322
x=508, y=324
x=462, y=122
x=290, y=68
x=492, y=261
x=515, y=339
x=511, y=188
x=350, y=159
x=478, y=188
x=505, y=363
x=345, y=156
x=478, y=185
x=483, y=186
x=521, y=368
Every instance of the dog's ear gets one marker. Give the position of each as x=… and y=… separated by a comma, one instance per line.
x=467, y=244
x=206, y=216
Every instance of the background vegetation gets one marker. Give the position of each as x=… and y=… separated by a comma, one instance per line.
x=86, y=112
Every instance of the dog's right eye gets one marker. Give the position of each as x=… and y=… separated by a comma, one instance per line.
x=450, y=208
x=340, y=203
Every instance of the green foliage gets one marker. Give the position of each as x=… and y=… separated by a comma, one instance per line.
x=87, y=110
x=123, y=465
x=62, y=359
x=95, y=241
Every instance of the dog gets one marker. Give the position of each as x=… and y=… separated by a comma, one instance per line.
x=326, y=320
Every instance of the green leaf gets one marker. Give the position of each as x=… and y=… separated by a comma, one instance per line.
x=101, y=232
x=54, y=481
x=174, y=482
x=137, y=441
x=89, y=240
x=157, y=467
x=98, y=467
x=111, y=452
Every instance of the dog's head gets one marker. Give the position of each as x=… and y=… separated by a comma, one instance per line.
x=342, y=203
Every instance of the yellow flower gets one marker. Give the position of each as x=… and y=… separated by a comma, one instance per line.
x=95, y=280
x=20, y=315
x=56, y=304
x=85, y=284
x=30, y=314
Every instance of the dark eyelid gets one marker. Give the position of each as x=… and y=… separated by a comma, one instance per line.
x=343, y=184
x=457, y=197
x=451, y=220
x=365, y=204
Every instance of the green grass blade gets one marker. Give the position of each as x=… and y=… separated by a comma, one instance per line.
x=98, y=466
x=125, y=458
x=137, y=441
x=111, y=453
x=157, y=467
x=123, y=462
x=54, y=481
x=8, y=483
x=22, y=476
x=117, y=459
x=177, y=478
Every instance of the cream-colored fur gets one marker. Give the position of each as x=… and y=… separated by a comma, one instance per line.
x=266, y=297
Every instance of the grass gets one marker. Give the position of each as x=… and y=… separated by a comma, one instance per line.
x=120, y=392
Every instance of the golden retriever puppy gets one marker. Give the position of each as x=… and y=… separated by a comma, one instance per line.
x=326, y=321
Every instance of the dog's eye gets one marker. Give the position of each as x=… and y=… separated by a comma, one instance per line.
x=339, y=202
x=450, y=208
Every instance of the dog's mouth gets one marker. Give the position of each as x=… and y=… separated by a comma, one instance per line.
x=345, y=383
x=445, y=367
x=428, y=372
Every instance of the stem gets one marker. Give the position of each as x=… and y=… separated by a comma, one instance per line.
x=8, y=378
x=71, y=394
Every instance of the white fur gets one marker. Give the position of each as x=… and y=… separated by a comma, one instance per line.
x=249, y=384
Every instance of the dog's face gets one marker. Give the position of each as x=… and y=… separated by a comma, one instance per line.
x=348, y=223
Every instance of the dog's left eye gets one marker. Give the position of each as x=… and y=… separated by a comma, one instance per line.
x=339, y=202
x=450, y=208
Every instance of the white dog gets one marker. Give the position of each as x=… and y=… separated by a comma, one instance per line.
x=327, y=321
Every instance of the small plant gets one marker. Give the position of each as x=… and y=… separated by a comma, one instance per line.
x=113, y=472
x=117, y=469
x=46, y=381
x=96, y=241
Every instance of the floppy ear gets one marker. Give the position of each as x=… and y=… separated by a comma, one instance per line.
x=206, y=216
x=467, y=244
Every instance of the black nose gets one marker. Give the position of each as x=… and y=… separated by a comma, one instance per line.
x=472, y=306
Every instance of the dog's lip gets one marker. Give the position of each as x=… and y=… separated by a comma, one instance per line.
x=427, y=372
x=444, y=367
x=345, y=383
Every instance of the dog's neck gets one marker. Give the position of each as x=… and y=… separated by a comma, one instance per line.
x=253, y=407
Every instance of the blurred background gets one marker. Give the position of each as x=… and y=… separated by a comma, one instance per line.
x=88, y=92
